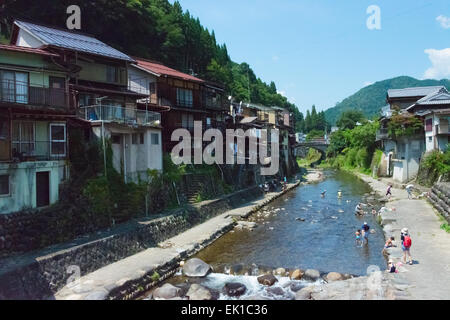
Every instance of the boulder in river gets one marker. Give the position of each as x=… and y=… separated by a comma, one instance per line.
x=296, y=286
x=304, y=294
x=198, y=292
x=234, y=289
x=267, y=279
x=311, y=274
x=296, y=274
x=334, y=276
x=166, y=292
x=196, y=268
x=276, y=291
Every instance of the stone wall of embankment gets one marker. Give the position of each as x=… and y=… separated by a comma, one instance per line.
x=37, y=276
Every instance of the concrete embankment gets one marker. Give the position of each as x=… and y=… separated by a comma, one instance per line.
x=130, y=277
x=39, y=274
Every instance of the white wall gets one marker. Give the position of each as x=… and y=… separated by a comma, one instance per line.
x=25, y=39
x=139, y=81
x=23, y=183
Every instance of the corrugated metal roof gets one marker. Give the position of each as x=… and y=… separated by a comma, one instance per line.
x=72, y=40
x=161, y=69
x=27, y=50
x=413, y=92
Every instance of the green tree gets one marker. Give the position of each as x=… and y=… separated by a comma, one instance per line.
x=348, y=119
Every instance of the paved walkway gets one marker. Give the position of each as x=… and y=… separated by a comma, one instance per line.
x=429, y=276
x=99, y=284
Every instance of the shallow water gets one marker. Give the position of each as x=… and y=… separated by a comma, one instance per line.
x=324, y=241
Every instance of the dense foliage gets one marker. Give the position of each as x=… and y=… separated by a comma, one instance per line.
x=404, y=125
x=154, y=29
x=371, y=99
x=314, y=121
x=354, y=148
x=348, y=119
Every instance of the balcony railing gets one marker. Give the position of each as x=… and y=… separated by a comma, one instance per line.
x=117, y=113
x=382, y=134
x=24, y=93
x=39, y=150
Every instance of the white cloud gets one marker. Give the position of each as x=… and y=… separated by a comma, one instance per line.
x=444, y=21
x=440, y=60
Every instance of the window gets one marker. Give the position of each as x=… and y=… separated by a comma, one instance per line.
x=184, y=97
x=4, y=185
x=152, y=88
x=141, y=138
x=187, y=121
x=155, y=139
x=429, y=125
x=23, y=142
x=134, y=138
x=115, y=139
x=14, y=86
x=58, y=139
x=112, y=74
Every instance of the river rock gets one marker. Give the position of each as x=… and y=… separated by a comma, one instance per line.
x=166, y=292
x=198, y=292
x=311, y=274
x=267, y=279
x=276, y=291
x=280, y=271
x=296, y=286
x=297, y=274
x=196, y=268
x=234, y=289
x=334, y=276
x=304, y=294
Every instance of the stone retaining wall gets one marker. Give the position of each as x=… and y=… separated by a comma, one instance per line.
x=41, y=277
x=440, y=198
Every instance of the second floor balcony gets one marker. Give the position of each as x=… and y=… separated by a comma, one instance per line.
x=23, y=93
x=117, y=113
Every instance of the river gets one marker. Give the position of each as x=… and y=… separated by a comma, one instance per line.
x=302, y=230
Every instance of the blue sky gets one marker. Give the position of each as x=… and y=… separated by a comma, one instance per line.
x=321, y=51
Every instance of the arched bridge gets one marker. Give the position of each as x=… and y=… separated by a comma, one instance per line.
x=321, y=145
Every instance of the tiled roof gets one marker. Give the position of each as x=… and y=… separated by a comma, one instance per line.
x=71, y=40
x=413, y=92
x=27, y=50
x=438, y=97
x=161, y=69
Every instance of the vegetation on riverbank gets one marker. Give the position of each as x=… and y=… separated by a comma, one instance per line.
x=312, y=157
x=354, y=149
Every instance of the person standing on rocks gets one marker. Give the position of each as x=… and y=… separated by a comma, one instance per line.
x=365, y=231
x=406, y=245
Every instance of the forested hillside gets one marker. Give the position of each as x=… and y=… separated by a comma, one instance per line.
x=157, y=30
x=370, y=99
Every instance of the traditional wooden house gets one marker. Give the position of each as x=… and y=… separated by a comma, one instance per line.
x=99, y=81
x=34, y=109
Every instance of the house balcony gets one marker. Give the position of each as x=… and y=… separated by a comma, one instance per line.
x=22, y=93
x=119, y=114
x=31, y=151
x=382, y=134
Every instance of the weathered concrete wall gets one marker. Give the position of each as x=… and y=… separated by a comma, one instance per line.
x=37, y=277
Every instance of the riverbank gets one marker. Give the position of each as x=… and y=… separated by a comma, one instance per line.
x=132, y=276
x=429, y=276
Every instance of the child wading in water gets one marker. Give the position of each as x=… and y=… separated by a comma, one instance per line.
x=358, y=238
